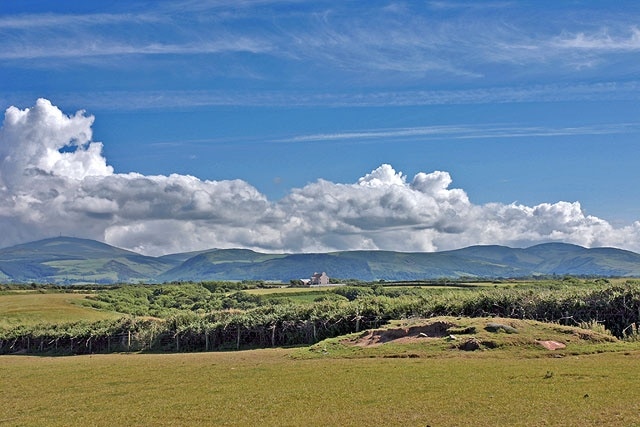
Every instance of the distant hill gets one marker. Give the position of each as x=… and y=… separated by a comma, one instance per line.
x=243, y=264
x=67, y=260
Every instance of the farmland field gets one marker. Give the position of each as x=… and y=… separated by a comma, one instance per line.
x=268, y=387
x=27, y=308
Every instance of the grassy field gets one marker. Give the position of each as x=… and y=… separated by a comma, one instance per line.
x=268, y=387
x=28, y=308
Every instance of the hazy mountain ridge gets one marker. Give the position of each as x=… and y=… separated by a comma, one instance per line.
x=67, y=260
x=72, y=260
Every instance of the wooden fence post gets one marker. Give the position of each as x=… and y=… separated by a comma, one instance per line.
x=273, y=335
x=238, y=339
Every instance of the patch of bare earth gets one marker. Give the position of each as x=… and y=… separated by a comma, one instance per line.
x=552, y=345
x=405, y=335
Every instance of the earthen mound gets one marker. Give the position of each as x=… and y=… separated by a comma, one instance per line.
x=404, y=334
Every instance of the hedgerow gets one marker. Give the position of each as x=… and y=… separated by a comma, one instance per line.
x=195, y=318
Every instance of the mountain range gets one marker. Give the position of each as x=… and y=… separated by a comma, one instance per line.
x=68, y=260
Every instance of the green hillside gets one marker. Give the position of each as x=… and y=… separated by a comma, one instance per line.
x=219, y=264
x=71, y=260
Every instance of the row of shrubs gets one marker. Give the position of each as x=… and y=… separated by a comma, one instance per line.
x=617, y=307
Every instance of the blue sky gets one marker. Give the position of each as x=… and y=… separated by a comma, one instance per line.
x=522, y=103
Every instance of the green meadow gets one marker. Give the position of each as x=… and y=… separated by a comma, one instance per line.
x=32, y=307
x=270, y=388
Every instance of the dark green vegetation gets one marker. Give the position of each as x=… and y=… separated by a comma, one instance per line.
x=218, y=316
x=65, y=260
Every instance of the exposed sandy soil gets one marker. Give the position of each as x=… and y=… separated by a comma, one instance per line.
x=552, y=345
x=376, y=337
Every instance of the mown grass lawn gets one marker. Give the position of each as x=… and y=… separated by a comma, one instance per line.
x=28, y=308
x=268, y=387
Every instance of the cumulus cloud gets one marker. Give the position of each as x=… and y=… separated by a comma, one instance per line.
x=32, y=140
x=55, y=180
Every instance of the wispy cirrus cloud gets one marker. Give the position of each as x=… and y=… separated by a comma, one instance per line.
x=294, y=53
x=33, y=22
x=449, y=5
x=469, y=132
x=151, y=32
x=372, y=42
x=601, y=41
x=106, y=48
x=398, y=42
x=159, y=99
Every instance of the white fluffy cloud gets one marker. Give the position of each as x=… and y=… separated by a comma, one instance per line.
x=55, y=180
x=32, y=140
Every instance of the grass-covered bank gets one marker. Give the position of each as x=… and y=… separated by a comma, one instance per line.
x=450, y=336
x=267, y=387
